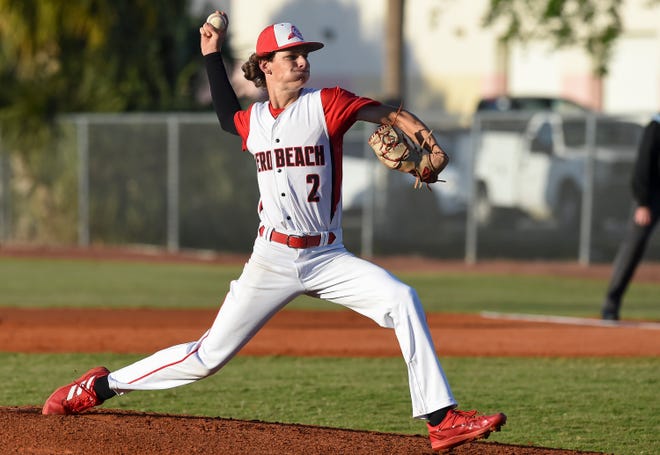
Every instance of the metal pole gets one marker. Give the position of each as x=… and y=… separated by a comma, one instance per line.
x=4, y=193
x=368, y=210
x=586, y=218
x=172, y=184
x=82, y=129
x=471, y=234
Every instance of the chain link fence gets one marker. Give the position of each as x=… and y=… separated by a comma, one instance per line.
x=519, y=186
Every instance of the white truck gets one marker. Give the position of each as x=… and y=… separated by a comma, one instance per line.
x=539, y=170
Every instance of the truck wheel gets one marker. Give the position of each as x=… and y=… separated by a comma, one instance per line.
x=569, y=207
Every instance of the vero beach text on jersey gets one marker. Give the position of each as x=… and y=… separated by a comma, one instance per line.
x=309, y=155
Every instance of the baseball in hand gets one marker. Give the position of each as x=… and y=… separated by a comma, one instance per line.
x=218, y=20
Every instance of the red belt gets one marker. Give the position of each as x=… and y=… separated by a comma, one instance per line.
x=297, y=241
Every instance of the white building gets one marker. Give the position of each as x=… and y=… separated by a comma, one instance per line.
x=450, y=59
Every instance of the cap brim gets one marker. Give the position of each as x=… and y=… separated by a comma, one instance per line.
x=309, y=46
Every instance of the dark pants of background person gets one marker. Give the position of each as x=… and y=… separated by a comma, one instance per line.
x=626, y=261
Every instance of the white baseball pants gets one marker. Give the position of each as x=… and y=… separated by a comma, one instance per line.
x=275, y=275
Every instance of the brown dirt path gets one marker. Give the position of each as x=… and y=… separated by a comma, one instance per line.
x=312, y=333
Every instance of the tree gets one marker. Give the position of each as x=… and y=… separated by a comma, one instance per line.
x=394, y=75
x=593, y=25
x=93, y=55
x=60, y=57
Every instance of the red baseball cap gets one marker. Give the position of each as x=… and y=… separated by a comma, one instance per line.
x=282, y=36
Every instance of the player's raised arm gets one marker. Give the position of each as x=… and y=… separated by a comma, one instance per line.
x=224, y=98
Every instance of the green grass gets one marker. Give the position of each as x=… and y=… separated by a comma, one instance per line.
x=600, y=404
x=52, y=283
x=71, y=283
x=607, y=405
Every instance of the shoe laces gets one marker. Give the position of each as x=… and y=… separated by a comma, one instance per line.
x=87, y=396
x=455, y=418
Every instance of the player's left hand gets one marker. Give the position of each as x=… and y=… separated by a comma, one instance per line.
x=397, y=151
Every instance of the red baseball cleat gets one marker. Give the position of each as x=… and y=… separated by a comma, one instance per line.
x=76, y=397
x=459, y=427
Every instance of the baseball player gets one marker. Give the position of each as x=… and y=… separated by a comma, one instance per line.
x=295, y=139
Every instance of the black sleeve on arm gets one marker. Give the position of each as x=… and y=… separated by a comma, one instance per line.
x=224, y=98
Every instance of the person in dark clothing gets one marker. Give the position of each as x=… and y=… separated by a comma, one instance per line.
x=646, y=193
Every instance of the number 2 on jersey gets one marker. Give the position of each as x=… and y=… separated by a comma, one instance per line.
x=315, y=181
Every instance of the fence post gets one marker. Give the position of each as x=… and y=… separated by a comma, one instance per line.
x=586, y=217
x=4, y=193
x=368, y=209
x=471, y=220
x=172, y=183
x=82, y=130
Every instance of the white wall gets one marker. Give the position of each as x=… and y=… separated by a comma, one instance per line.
x=448, y=53
x=633, y=83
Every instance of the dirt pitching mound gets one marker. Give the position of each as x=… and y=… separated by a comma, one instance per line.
x=25, y=430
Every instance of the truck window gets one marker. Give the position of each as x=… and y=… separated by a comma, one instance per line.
x=542, y=141
x=609, y=133
x=614, y=133
x=575, y=132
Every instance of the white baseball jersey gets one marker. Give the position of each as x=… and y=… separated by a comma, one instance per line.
x=298, y=155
